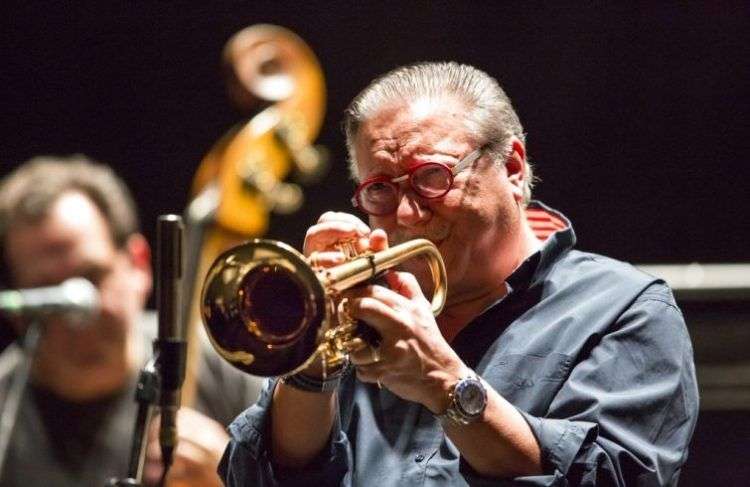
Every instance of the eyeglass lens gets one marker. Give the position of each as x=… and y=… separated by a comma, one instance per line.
x=428, y=181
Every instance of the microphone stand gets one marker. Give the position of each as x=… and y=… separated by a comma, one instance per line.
x=18, y=388
x=161, y=379
x=146, y=395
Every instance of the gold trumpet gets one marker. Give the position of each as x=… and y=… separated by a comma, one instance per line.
x=269, y=313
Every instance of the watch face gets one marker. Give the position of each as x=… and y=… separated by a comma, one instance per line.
x=471, y=396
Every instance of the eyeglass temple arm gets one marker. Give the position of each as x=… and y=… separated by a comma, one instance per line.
x=467, y=161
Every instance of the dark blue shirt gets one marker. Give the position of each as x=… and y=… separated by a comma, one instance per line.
x=593, y=353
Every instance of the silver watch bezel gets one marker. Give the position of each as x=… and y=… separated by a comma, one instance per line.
x=461, y=393
x=456, y=412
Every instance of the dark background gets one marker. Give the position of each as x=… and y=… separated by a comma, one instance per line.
x=636, y=113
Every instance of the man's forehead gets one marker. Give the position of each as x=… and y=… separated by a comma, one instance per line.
x=73, y=232
x=73, y=216
x=401, y=122
x=418, y=110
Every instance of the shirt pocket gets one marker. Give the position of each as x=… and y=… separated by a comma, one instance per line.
x=528, y=381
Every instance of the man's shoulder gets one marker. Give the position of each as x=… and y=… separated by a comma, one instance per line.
x=607, y=274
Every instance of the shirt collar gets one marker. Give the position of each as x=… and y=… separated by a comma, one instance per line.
x=556, y=232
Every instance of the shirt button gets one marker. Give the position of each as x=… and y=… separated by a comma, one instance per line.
x=419, y=458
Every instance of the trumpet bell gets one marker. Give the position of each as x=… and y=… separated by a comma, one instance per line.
x=263, y=307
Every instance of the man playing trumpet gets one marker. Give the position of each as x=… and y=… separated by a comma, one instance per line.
x=547, y=366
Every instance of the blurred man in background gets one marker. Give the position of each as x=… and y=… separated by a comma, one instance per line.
x=68, y=217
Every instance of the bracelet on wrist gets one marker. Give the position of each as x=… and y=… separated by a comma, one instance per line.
x=304, y=382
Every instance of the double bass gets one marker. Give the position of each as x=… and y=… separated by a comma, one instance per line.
x=275, y=78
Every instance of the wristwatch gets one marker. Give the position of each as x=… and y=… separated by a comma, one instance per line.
x=467, y=401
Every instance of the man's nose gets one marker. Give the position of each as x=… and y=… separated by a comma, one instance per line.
x=411, y=210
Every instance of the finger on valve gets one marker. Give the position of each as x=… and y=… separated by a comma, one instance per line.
x=327, y=232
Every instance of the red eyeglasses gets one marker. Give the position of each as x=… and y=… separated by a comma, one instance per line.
x=379, y=195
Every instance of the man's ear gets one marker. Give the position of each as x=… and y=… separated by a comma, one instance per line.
x=516, y=168
x=139, y=254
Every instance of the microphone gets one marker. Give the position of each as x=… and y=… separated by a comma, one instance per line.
x=75, y=298
x=170, y=344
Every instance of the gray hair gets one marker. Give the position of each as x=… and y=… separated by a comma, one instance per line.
x=27, y=194
x=490, y=116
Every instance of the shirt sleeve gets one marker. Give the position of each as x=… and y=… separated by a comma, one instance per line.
x=247, y=459
x=627, y=412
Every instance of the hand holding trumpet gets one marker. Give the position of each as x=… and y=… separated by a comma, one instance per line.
x=413, y=360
